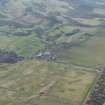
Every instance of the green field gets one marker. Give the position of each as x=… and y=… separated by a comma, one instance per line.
x=47, y=83
x=50, y=50
x=43, y=84
x=23, y=46
x=90, y=53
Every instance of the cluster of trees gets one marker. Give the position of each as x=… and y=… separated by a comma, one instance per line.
x=9, y=57
x=98, y=95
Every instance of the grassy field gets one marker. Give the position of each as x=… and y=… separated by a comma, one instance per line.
x=43, y=83
x=92, y=21
x=28, y=45
x=69, y=41
x=90, y=53
x=23, y=46
x=99, y=11
x=72, y=88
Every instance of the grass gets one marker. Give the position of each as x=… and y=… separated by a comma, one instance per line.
x=73, y=86
x=27, y=46
x=92, y=21
x=23, y=46
x=99, y=11
x=32, y=82
x=22, y=80
x=2, y=15
x=59, y=7
x=90, y=53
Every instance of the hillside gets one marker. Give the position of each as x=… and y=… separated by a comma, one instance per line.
x=51, y=51
x=42, y=83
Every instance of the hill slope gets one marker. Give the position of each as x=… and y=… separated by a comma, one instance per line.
x=48, y=49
